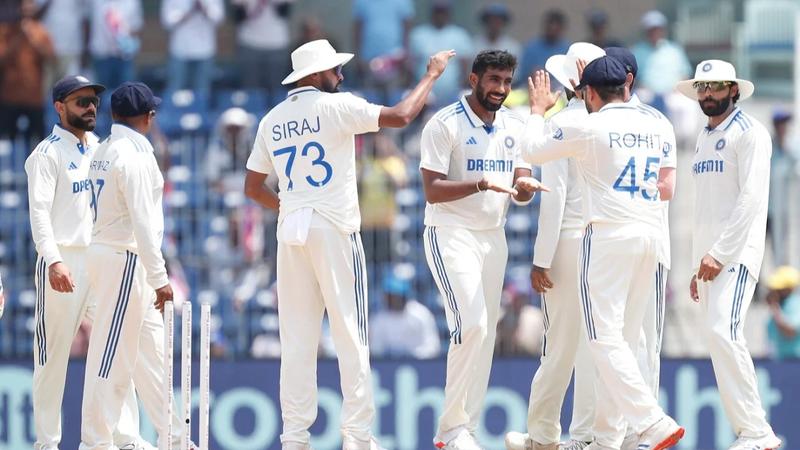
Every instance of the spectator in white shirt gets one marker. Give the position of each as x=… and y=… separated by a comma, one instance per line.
x=192, y=26
x=405, y=327
x=114, y=39
x=263, y=41
x=65, y=21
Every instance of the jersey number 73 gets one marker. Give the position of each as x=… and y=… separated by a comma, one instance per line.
x=318, y=161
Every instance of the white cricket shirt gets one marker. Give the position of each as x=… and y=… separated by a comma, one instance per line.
x=731, y=174
x=128, y=189
x=456, y=143
x=618, y=151
x=670, y=159
x=560, y=210
x=308, y=140
x=59, y=193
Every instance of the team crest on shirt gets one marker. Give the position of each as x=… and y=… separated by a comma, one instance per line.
x=509, y=141
x=720, y=144
x=558, y=134
x=666, y=149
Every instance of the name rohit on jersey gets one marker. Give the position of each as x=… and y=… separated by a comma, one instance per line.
x=633, y=140
x=490, y=165
x=708, y=166
x=294, y=128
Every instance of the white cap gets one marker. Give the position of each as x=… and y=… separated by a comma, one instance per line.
x=563, y=67
x=312, y=57
x=715, y=70
x=653, y=19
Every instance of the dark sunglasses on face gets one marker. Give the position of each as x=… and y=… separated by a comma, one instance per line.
x=338, y=70
x=84, y=102
x=715, y=86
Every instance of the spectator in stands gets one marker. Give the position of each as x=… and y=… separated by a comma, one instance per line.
x=25, y=49
x=662, y=63
x=440, y=33
x=782, y=174
x=597, y=21
x=784, y=304
x=2, y=298
x=495, y=19
x=228, y=150
x=192, y=27
x=404, y=328
x=521, y=326
x=382, y=29
x=114, y=40
x=65, y=20
x=263, y=38
x=551, y=42
x=382, y=171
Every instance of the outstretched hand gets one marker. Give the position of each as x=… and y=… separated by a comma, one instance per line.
x=581, y=65
x=486, y=185
x=530, y=184
x=438, y=62
x=539, y=93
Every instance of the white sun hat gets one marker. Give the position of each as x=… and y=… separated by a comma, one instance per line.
x=564, y=68
x=715, y=70
x=312, y=57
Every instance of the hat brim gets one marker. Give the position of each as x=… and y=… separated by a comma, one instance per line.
x=556, y=66
x=320, y=66
x=686, y=87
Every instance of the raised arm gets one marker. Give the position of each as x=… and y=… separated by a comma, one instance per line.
x=401, y=114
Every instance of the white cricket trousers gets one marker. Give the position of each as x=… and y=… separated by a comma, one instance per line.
x=468, y=267
x=127, y=343
x=565, y=346
x=725, y=302
x=616, y=282
x=58, y=316
x=653, y=331
x=327, y=273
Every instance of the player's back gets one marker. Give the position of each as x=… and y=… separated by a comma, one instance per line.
x=308, y=141
x=124, y=161
x=621, y=165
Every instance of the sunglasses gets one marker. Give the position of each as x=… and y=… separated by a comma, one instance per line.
x=85, y=101
x=338, y=70
x=715, y=86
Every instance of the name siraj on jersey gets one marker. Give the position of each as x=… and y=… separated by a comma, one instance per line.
x=287, y=129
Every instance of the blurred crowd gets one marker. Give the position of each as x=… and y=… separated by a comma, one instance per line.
x=220, y=247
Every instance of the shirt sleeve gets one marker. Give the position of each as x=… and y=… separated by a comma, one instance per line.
x=435, y=147
x=540, y=146
x=551, y=211
x=42, y=170
x=753, y=154
x=137, y=177
x=259, y=160
x=355, y=115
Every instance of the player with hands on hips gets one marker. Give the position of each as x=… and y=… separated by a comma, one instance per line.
x=307, y=141
x=621, y=211
x=731, y=170
x=471, y=170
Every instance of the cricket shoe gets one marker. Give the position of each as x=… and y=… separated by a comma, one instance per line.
x=522, y=441
x=663, y=434
x=459, y=439
x=631, y=442
x=573, y=444
x=766, y=442
x=354, y=444
x=295, y=446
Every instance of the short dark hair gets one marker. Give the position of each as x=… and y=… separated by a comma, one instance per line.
x=496, y=59
x=608, y=93
x=735, y=98
x=555, y=16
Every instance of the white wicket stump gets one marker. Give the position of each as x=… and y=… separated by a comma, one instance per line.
x=186, y=375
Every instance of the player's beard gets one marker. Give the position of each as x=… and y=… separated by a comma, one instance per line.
x=712, y=107
x=86, y=122
x=330, y=86
x=483, y=99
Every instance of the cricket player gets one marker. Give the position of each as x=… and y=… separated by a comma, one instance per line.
x=649, y=349
x=618, y=150
x=555, y=276
x=126, y=274
x=731, y=173
x=307, y=141
x=59, y=198
x=470, y=165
